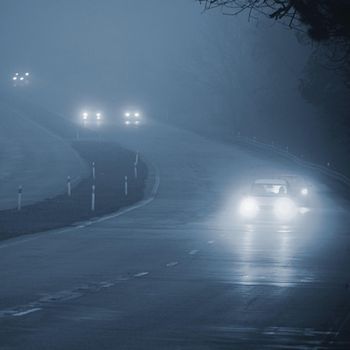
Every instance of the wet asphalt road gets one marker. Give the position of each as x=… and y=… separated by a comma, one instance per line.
x=180, y=271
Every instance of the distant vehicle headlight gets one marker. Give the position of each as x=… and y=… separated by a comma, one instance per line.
x=304, y=191
x=127, y=122
x=248, y=208
x=137, y=122
x=285, y=209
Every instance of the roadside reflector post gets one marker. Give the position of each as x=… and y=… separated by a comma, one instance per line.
x=93, y=198
x=135, y=170
x=126, y=185
x=287, y=148
x=93, y=171
x=137, y=159
x=69, y=187
x=19, y=198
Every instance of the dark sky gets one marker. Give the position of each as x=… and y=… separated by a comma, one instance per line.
x=158, y=54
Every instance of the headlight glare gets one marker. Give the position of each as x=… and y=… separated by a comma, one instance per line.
x=248, y=208
x=285, y=209
x=304, y=191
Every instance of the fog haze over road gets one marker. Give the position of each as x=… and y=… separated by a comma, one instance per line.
x=192, y=92
x=163, y=55
x=180, y=271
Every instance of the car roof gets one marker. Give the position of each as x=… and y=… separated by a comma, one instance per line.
x=291, y=176
x=271, y=182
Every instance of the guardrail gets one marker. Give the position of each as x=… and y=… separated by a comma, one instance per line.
x=284, y=152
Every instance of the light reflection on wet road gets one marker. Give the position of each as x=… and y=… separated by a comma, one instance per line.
x=182, y=272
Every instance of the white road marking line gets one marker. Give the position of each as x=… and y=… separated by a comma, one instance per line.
x=211, y=242
x=107, y=284
x=141, y=274
x=26, y=312
x=20, y=240
x=193, y=252
x=172, y=264
x=62, y=296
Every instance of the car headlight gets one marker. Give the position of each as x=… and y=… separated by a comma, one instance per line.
x=248, y=208
x=285, y=209
x=127, y=122
x=304, y=191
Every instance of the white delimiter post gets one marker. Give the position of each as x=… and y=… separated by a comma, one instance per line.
x=136, y=164
x=135, y=170
x=126, y=185
x=19, y=198
x=93, y=171
x=93, y=198
x=69, y=187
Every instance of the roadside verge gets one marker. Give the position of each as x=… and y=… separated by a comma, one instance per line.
x=112, y=165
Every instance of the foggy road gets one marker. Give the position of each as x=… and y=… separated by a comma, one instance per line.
x=32, y=157
x=178, y=271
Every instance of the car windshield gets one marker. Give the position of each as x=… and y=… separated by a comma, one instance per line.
x=268, y=189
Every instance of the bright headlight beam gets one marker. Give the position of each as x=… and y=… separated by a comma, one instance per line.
x=304, y=191
x=285, y=209
x=248, y=208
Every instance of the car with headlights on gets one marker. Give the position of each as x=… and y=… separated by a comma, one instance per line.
x=269, y=199
x=132, y=118
x=299, y=188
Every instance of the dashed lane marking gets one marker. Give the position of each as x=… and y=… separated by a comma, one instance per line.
x=141, y=274
x=211, y=242
x=26, y=312
x=172, y=264
x=193, y=252
x=64, y=296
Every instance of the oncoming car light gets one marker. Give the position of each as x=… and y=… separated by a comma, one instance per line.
x=248, y=208
x=304, y=191
x=285, y=209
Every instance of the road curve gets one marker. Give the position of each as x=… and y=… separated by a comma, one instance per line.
x=181, y=272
